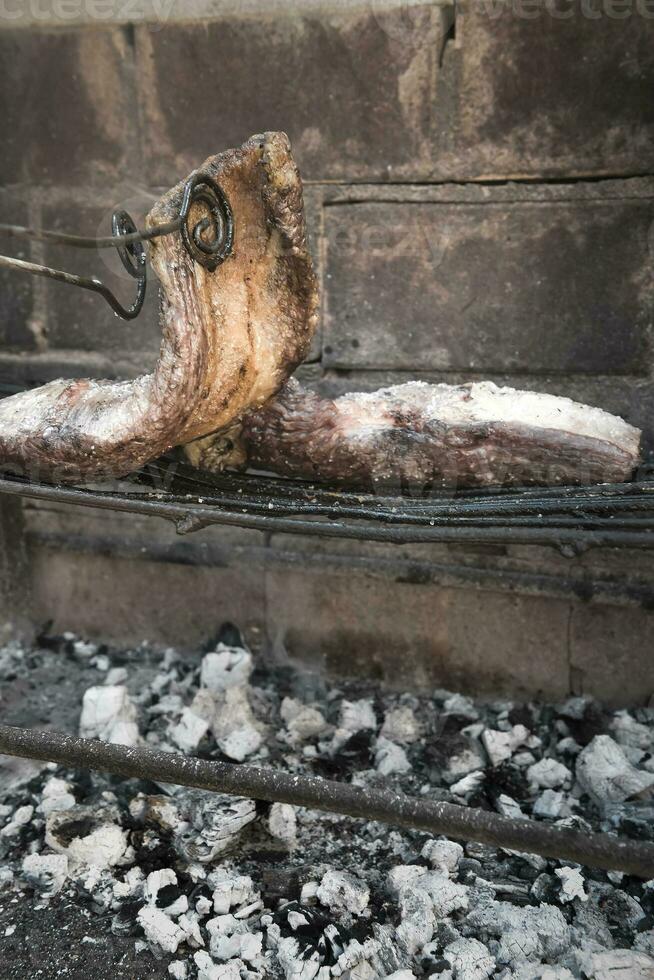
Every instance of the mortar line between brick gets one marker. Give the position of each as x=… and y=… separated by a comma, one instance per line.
x=571, y=181
x=544, y=203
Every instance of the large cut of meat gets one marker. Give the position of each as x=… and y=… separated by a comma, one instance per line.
x=231, y=336
x=231, y=339
x=417, y=434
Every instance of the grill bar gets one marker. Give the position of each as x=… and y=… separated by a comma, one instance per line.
x=572, y=521
x=595, y=850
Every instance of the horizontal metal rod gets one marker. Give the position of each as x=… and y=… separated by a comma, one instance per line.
x=194, y=517
x=464, y=823
x=86, y=241
x=459, y=515
x=287, y=496
x=405, y=511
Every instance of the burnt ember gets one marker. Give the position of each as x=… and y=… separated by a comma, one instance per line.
x=131, y=879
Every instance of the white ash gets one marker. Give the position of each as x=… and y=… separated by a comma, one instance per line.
x=575, y=707
x=57, y=795
x=20, y=818
x=234, y=725
x=132, y=885
x=390, y=758
x=108, y=714
x=404, y=876
x=568, y=746
x=309, y=892
x=518, y=948
x=211, y=825
x=544, y=921
x=460, y=706
x=303, y=721
x=6, y=878
x=159, y=929
x=468, y=758
x=604, y=772
x=443, y=855
x=418, y=920
x=178, y=970
x=470, y=960
x=221, y=888
x=374, y=957
x=447, y=896
x=224, y=706
x=231, y=890
x=208, y=970
x=357, y=716
x=630, y=733
x=401, y=725
x=157, y=880
x=341, y=891
x=46, y=872
x=500, y=746
x=549, y=774
x=82, y=648
x=226, y=668
x=294, y=964
x=231, y=939
x=189, y=923
x=116, y=676
x=101, y=842
x=615, y=964
x=240, y=743
x=468, y=784
x=282, y=822
x=551, y=805
x=508, y=807
x=189, y=731
x=572, y=884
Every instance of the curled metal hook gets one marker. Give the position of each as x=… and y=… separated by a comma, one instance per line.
x=132, y=255
x=130, y=251
x=95, y=285
x=211, y=250
x=209, y=242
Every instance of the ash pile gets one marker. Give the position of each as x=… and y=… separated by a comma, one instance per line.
x=188, y=884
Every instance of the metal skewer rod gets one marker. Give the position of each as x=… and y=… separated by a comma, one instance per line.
x=85, y=241
x=210, y=242
x=528, y=836
x=94, y=285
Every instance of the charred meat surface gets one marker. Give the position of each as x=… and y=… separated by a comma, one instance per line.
x=419, y=434
x=231, y=336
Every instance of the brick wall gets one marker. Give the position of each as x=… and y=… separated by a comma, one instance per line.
x=479, y=190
